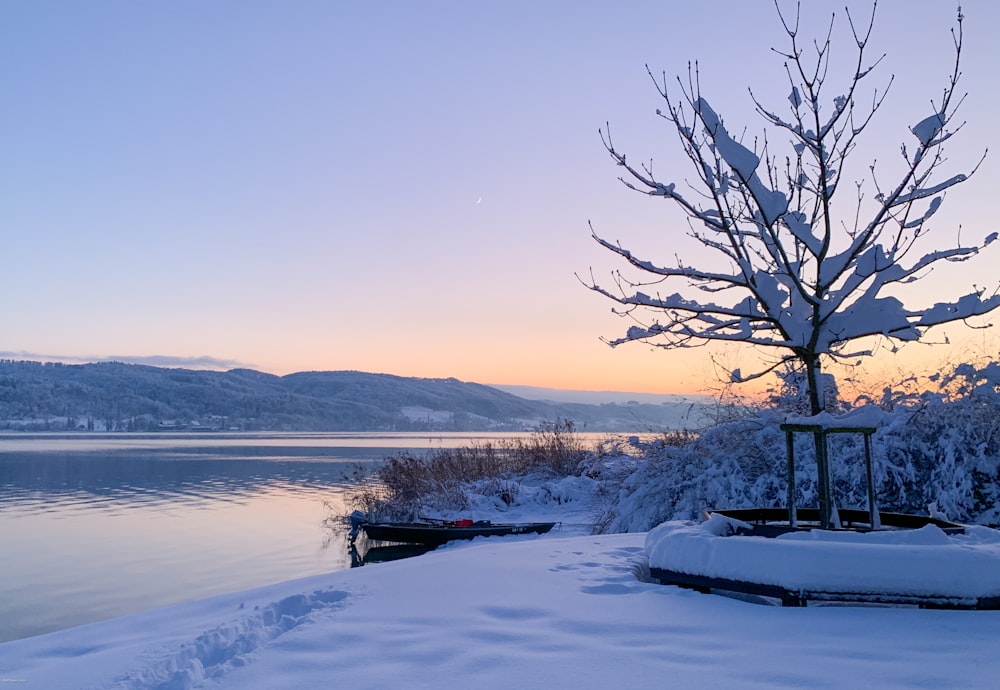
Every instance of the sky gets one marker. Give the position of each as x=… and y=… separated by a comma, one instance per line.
x=402, y=187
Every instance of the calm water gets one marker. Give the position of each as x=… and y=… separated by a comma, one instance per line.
x=100, y=525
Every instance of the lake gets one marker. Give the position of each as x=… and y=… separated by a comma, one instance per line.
x=94, y=526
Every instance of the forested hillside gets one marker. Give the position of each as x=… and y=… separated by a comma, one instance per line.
x=112, y=396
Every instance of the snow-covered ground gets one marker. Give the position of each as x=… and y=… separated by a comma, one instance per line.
x=563, y=610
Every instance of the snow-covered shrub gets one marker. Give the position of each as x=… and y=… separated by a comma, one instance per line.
x=740, y=463
x=945, y=450
x=939, y=448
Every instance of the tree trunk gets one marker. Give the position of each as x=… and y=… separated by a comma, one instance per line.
x=815, y=383
x=827, y=509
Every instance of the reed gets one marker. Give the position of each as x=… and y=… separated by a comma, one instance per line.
x=406, y=483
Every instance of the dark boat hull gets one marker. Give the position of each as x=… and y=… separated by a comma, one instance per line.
x=421, y=533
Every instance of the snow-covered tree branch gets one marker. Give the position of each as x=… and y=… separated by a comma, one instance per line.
x=799, y=280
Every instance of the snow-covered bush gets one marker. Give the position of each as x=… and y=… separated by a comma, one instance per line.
x=739, y=463
x=946, y=449
x=939, y=450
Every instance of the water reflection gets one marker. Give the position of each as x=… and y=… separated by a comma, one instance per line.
x=95, y=528
x=380, y=554
x=126, y=480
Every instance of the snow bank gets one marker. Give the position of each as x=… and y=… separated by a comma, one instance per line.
x=923, y=562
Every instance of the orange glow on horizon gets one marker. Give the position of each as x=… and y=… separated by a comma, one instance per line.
x=639, y=369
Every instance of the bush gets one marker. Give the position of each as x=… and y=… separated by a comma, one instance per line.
x=937, y=450
x=405, y=484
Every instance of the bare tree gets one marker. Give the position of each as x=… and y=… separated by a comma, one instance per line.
x=799, y=280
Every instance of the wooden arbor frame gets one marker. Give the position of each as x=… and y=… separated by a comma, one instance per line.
x=820, y=433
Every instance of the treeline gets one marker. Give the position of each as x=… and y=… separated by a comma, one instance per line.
x=113, y=396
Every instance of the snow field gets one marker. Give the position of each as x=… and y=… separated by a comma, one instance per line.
x=532, y=612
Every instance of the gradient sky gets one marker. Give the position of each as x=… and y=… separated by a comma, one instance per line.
x=401, y=187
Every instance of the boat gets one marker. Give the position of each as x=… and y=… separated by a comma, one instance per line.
x=440, y=533
x=437, y=532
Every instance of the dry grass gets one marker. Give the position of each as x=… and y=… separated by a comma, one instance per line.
x=405, y=483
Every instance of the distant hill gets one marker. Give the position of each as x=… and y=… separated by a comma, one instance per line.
x=37, y=396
